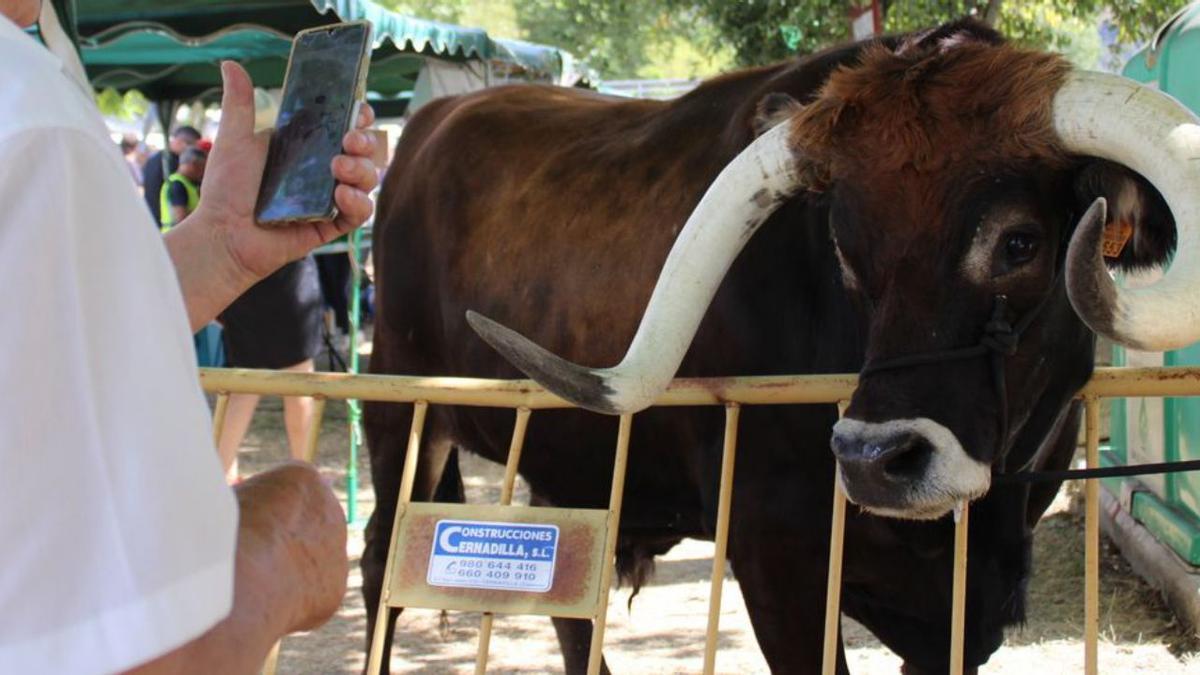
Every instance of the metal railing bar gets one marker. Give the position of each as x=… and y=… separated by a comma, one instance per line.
x=313, y=436
x=519, y=393
x=833, y=585
x=218, y=421
x=724, y=502
x=958, y=598
x=375, y=660
x=506, y=495
x=514, y=456
x=758, y=390
x=412, y=452
x=615, y=497
x=1091, y=534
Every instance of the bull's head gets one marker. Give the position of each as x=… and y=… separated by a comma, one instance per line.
x=948, y=176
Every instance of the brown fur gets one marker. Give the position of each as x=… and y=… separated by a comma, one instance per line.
x=927, y=109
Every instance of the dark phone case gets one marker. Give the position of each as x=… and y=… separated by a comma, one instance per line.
x=305, y=139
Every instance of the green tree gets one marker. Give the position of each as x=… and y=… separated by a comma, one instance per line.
x=628, y=38
x=763, y=31
x=617, y=38
x=130, y=105
x=695, y=38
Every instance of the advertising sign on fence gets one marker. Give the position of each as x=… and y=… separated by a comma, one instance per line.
x=497, y=556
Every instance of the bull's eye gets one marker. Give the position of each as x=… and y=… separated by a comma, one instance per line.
x=1020, y=248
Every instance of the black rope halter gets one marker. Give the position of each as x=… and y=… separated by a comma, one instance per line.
x=1000, y=340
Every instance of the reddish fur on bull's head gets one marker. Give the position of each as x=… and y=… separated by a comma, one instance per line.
x=931, y=104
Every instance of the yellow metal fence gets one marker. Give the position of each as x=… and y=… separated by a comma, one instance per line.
x=525, y=396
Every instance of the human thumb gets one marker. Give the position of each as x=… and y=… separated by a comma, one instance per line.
x=237, y=107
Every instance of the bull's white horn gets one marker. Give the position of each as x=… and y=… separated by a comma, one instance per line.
x=744, y=194
x=1151, y=133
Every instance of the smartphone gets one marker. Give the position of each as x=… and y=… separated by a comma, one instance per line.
x=325, y=80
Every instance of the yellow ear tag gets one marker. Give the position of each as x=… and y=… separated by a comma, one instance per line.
x=1116, y=235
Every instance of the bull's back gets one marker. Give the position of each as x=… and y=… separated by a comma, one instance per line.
x=549, y=210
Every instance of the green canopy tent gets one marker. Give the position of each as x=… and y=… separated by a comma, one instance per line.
x=172, y=51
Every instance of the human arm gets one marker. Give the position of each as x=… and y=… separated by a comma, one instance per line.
x=290, y=573
x=219, y=251
x=128, y=482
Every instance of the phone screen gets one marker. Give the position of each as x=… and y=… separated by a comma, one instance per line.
x=314, y=115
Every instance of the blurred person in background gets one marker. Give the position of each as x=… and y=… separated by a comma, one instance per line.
x=334, y=271
x=134, y=152
x=154, y=172
x=276, y=324
x=180, y=194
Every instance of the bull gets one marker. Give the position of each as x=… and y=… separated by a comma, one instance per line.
x=930, y=210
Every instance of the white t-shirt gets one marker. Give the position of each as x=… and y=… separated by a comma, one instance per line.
x=117, y=532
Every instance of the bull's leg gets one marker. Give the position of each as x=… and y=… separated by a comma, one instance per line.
x=779, y=539
x=575, y=640
x=387, y=439
x=783, y=584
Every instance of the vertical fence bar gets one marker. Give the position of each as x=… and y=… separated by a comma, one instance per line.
x=958, y=607
x=596, y=653
x=506, y=494
x=1091, y=533
x=219, y=416
x=375, y=661
x=514, y=456
x=724, y=499
x=833, y=586
x=313, y=436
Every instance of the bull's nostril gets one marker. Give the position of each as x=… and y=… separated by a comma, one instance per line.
x=909, y=461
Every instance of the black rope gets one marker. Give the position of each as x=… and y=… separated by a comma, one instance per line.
x=1103, y=472
x=999, y=341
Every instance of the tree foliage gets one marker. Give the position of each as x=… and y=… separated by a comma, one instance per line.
x=128, y=106
x=617, y=38
x=689, y=38
x=763, y=31
x=610, y=36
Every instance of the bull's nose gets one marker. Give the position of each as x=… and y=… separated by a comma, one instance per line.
x=899, y=457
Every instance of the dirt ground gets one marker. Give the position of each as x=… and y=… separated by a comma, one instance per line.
x=663, y=632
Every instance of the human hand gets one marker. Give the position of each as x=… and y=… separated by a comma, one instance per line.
x=290, y=573
x=234, y=173
x=292, y=544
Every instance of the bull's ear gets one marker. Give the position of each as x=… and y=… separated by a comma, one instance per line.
x=773, y=109
x=1140, y=231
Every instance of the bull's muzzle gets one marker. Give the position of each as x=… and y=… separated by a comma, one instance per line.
x=899, y=458
x=907, y=468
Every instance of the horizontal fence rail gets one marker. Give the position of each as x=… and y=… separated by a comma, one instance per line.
x=731, y=392
x=755, y=390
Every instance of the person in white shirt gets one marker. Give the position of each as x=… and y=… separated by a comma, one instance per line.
x=123, y=548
